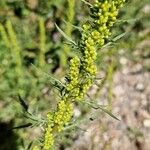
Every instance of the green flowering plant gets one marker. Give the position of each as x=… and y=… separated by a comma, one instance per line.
x=82, y=68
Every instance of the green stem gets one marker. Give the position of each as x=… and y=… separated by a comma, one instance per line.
x=68, y=30
x=15, y=49
x=42, y=46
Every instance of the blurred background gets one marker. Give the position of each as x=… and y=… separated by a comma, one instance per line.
x=32, y=50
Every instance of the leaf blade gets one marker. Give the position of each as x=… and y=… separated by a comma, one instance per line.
x=64, y=35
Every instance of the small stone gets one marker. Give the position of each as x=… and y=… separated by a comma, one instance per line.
x=147, y=123
x=125, y=70
x=77, y=112
x=123, y=60
x=140, y=87
x=144, y=101
x=146, y=9
x=137, y=69
x=118, y=90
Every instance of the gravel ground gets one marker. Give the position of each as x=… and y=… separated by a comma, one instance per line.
x=131, y=103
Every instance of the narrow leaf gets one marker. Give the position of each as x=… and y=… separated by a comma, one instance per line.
x=87, y=3
x=55, y=80
x=114, y=39
x=64, y=35
x=22, y=126
x=128, y=20
x=76, y=27
x=119, y=37
x=23, y=104
x=29, y=146
x=108, y=112
x=96, y=106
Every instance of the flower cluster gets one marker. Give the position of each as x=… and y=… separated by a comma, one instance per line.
x=63, y=114
x=119, y=3
x=72, y=89
x=105, y=14
x=83, y=71
x=94, y=35
x=49, y=137
x=56, y=122
x=64, y=111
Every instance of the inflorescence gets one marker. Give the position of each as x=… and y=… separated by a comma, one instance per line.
x=82, y=69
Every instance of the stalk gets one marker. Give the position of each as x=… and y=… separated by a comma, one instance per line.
x=42, y=46
x=15, y=49
x=4, y=36
x=68, y=30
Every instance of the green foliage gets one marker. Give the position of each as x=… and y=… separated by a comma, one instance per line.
x=31, y=44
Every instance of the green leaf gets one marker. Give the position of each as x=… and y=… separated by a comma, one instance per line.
x=22, y=126
x=114, y=39
x=97, y=106
x=23, y=104
x=128, y=20
x=87, y=3
x=64, y=35
x=29, y=146
x=118, y=37
x=109, y=113
x=76, y=27
x=53, y=80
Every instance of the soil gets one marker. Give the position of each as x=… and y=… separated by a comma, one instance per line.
x=131, y=103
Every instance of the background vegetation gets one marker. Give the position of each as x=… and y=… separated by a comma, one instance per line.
x=32, y=51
